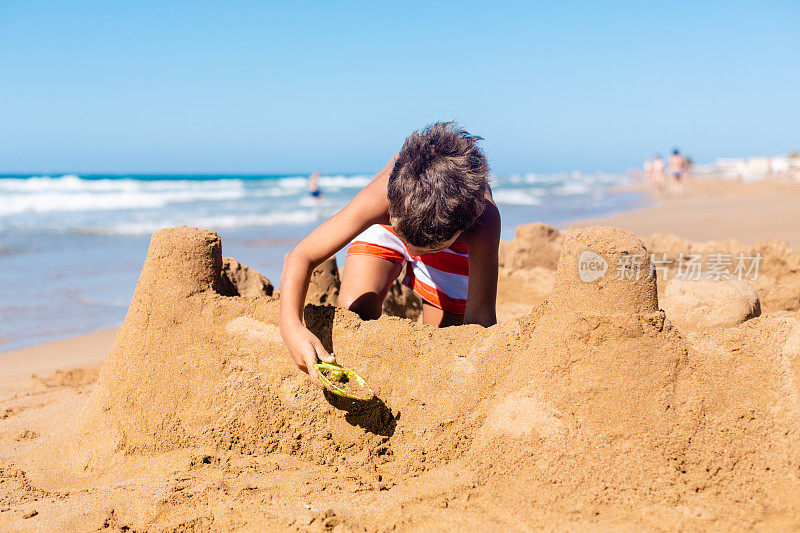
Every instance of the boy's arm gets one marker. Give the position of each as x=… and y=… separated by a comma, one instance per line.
x=483, y=268
x=369, y=207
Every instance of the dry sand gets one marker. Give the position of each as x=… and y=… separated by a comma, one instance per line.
x=585, y=408
x=716, y=210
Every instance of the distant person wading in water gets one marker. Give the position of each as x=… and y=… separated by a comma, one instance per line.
x=313, y=186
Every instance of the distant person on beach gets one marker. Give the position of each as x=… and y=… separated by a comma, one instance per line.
x=313, y=186
x=647, y=168
x=431, y=209
x=659, y=176
x=677, y=169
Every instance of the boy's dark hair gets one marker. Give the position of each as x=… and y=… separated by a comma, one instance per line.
x=437, y=185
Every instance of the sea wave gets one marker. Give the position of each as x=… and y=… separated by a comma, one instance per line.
x=297, y=183
x=276, y=218
x=73, y=183
x=49, y=202
x=562, y=179
x=572, y=188
x=517, y=196
x=70, y=193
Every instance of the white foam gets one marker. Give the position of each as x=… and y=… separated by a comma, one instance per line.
x=557, y=180
x=134, y=206
x=325, y=182
x=73, y=183
x=517, y=196
x=70, y=193
x=296, y=183
x=87, y=201
x=344, y=182
x=276, y=218
x=572, y=188
x=532, y=178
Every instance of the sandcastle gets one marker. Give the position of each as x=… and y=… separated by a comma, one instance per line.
x=591, y=411
x=534, y=245
x=604, y=271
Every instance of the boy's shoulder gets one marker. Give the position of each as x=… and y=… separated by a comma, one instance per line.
x=487, y=227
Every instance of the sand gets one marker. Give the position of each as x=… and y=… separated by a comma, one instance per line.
x=585, y=408
x=237, y=279
x=87, y=350
x=716, y=210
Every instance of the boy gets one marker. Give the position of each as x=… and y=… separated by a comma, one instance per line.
x=430, y=207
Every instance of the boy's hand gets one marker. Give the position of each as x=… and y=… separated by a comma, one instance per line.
x=306, y=350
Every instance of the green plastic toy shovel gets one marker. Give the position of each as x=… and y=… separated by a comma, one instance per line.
x=343, y=381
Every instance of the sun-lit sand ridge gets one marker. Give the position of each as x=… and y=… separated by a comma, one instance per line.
x=592, y=409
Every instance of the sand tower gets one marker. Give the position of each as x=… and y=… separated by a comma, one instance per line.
x=604, y=271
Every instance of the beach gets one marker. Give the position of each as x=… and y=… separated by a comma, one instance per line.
x=717, y=210
x=586, y=407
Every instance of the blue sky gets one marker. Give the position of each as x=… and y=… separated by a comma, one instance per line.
x=160, y=86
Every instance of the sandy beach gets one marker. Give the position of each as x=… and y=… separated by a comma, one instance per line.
x=716, y=210
x=624, y=404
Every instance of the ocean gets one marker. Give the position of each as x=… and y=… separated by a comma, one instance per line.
x=71, y=247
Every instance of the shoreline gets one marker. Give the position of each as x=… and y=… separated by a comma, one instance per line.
x=82, y=351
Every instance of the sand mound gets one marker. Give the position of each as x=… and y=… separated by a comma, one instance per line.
x=534, y=245
x=777, y=279
x=323, y=288
x=778, y=284
x=527, y=269
x=237, y=279
x=592, y=411
x=76, y=377
x=610, y=402
x=709, y=303
x=325, y=284
x=402, y=302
